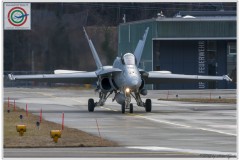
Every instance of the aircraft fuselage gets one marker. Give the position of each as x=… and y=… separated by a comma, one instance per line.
x=130, y=76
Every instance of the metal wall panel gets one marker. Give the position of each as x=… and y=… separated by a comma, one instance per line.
x=168, y=29
x=183, y=55
x=177, y=56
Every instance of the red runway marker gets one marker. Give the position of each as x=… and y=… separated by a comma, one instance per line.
x=26, y=110
x=40, y=116
x=98, y=129
x=8, y=103
x=14, y=105
x=63, y=121
x=167, y=94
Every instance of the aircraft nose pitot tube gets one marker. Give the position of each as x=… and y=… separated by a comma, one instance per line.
x=120, y=98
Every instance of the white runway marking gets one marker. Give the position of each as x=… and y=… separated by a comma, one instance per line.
x=176, y=124
x=166, y=122
x=213, y=130
x=186, y=126
x=155, y=148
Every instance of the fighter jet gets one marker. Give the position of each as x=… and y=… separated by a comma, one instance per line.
x=124, y=78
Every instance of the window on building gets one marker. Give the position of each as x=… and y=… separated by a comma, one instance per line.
x=211, y=51
x=232, y=48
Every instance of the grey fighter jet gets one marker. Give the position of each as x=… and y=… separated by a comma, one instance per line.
x=124, y=78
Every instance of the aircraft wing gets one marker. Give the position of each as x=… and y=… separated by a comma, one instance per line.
x=81, y=77
x=158, y=77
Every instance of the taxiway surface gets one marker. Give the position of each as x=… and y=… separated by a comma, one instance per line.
x=172, y=129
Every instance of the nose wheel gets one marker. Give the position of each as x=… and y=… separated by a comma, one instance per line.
x=124, y=107
x=131, y=108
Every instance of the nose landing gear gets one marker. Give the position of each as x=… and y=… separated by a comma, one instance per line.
x=125, y=107
x=131, y=108
x=127, y=104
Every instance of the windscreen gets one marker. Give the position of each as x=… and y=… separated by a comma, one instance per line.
x=129, y=59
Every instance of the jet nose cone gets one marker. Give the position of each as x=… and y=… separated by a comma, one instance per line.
x=134, y=84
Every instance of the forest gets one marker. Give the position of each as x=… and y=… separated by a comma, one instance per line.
x=56, y=39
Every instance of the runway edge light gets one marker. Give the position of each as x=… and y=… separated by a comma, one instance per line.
x=55, y=134
x=21, y=129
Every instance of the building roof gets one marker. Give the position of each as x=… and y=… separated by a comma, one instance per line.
x=213, y=16
x=206, y=13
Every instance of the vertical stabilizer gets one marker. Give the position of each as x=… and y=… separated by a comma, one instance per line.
x=93, y=50
x=139, y=49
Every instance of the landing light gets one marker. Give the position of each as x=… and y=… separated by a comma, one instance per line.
x=127, y=90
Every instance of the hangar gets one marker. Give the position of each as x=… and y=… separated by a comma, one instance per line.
x=202, y=43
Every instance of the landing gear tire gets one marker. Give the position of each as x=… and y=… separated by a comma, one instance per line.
x=131, y=108
x=91, y=105
x=148, y=105
x=123, y=108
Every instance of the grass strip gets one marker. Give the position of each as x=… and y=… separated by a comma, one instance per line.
x=198, y=100
x=40, y=138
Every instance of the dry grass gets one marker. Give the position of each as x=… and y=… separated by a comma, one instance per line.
x=41, y=138
x=232, y=101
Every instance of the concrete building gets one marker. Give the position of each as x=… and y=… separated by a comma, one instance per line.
x=189, y=43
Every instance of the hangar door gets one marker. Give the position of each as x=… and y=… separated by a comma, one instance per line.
x=201, y=57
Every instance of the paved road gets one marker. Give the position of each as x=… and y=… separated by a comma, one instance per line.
x=172, y=129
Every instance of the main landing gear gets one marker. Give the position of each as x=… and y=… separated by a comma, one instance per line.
x=91, y=105
x=148, y=105
x=103, y=97
x=126, y=105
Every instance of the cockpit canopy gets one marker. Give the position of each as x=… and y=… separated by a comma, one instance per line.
x=128, y=59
